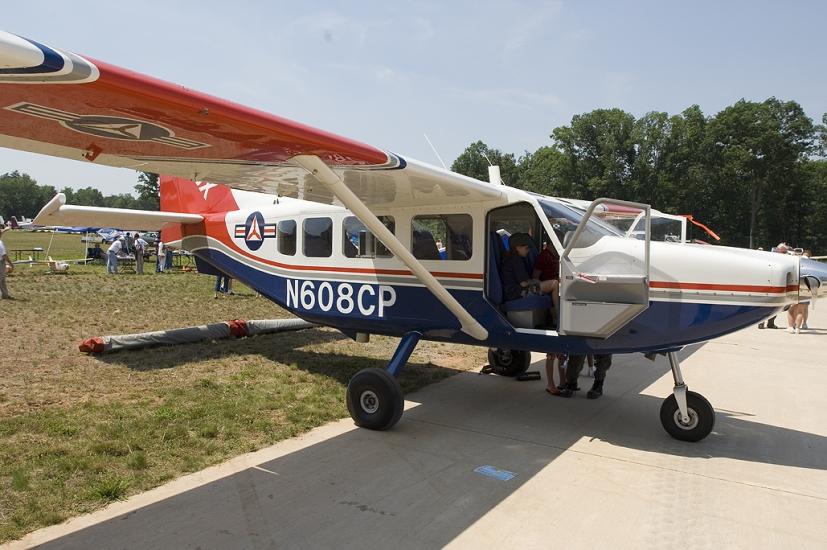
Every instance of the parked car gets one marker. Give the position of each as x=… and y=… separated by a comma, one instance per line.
x=151, y=237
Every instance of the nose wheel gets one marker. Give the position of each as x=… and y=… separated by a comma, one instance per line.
x=685, y=415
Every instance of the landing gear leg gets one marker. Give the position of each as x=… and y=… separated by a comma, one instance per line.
x=374, y=398
x=685, y=415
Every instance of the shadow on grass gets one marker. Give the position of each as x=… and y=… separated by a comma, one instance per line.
x=306, y=350
x=277, y=347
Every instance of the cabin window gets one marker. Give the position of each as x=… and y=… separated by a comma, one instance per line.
x=358, y=242
x=318, y=237
x=442, y=237
x=287, y=237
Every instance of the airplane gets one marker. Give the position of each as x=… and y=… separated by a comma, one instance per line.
x=665, y=227
x=55, y=266
x=22, y=223
x=344, y=234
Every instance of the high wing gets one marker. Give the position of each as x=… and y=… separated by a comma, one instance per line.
x=61, y=104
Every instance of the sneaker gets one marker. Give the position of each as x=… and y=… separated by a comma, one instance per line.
x=790, y=330
x=761, y=325
x=797, y=331
x=771, y=325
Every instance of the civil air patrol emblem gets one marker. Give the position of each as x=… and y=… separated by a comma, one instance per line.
x=112, y=127
x=254, y=231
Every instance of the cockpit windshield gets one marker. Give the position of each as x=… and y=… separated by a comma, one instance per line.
x=564, y=220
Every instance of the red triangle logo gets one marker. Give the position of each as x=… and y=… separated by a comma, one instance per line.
x=255, y=231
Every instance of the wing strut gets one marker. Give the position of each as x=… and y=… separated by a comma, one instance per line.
x=328, y=177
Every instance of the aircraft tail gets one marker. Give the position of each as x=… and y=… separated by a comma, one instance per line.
x=183, y=195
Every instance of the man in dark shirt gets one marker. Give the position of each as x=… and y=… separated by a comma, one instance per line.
x=515, y=274
x=516, y=280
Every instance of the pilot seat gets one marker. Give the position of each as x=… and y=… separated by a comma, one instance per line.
x=527, y=312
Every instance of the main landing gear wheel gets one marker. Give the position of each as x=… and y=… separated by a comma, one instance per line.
x=374, y=399
x=701, y=417
x=685, y=415
x=509, y=362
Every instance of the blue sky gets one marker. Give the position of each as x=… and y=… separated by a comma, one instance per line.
x=387, y=72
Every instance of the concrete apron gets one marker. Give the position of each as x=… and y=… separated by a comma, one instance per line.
x=585, y=472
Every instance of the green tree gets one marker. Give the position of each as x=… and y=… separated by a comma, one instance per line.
x=541, y=171
x=148, y=189
x=758, y=146
x=813, y=225
x=600, y=153
x=89, y=196
x=20, y=195
x=124, y=200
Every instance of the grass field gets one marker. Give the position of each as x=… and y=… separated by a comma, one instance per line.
x=77, y=432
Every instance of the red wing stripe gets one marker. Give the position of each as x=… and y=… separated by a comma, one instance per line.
x=724, y=287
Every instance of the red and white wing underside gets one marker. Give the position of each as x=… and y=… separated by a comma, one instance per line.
x=61, y=104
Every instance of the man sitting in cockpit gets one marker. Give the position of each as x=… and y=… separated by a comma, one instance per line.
x=517, y=283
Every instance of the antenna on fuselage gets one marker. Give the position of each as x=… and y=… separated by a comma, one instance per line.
x=442, y=162
x=493, y=172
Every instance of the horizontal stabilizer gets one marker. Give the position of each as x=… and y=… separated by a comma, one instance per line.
x=57, y=212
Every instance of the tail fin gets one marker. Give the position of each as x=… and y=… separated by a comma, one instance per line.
x=183, y=195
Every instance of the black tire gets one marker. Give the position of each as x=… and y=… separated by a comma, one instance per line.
x=509, y=362
x=701, y=417
x=374, y=399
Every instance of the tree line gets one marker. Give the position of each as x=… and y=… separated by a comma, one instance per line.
x=754, y=172
x=20, y=195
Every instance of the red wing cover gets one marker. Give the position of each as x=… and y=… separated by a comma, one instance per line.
x=62, y=104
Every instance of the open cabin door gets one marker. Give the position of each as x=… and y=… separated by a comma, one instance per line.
x=601, y=290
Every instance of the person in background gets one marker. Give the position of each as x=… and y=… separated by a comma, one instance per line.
x=222, y=284
x=139, y=246
x=798, y=313
x=112, y=255
x=6, y=266
x=128, y=242
x=781, y=249
x=162, y=257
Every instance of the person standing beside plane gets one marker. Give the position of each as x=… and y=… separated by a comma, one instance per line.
x=139, y=246
x=602, y=363
x=6, y=266
x=797, y=314
x=112, y=255
x=547, y=268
